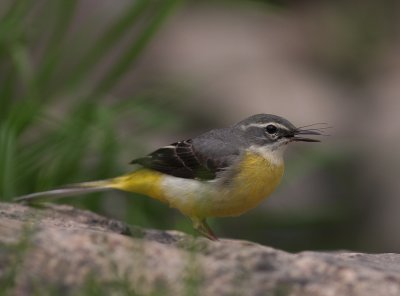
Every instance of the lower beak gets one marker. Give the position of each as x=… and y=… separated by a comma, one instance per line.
x=295, y=138
x=301, y=139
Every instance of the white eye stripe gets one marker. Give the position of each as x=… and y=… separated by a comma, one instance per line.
x=263, y=125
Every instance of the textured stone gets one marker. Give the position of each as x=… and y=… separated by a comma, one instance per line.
x=65, y=251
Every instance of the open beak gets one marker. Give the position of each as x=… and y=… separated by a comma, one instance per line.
x=296, y=138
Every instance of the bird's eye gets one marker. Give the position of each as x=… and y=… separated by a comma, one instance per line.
x=271, y=129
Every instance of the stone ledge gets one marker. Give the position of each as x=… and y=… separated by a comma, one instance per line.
x=58, y=249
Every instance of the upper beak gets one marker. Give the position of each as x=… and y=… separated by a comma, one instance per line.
x=295, y=138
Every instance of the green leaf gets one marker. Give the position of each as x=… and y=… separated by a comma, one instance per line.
x=7, y=161
x=130, y=55
x=107, y=42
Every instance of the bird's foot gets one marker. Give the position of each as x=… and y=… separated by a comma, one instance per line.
x=201, y=226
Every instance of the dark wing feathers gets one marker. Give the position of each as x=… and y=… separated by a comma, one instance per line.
x=178, y=159
x=203, y=157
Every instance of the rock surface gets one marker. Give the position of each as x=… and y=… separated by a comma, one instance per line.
x=60, y=250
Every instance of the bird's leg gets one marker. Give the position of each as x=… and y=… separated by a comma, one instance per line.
x=201, y=226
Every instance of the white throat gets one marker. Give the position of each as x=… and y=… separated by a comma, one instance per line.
x=275, y=156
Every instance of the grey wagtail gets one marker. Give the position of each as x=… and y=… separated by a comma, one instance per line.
x=223, y=172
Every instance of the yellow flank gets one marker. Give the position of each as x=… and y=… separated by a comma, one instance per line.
x=143, y=181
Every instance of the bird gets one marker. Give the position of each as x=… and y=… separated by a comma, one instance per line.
x=220, y=173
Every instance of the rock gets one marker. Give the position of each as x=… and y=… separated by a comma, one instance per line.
x=60, y=250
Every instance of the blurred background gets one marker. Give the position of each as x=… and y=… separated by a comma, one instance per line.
x=88, y=85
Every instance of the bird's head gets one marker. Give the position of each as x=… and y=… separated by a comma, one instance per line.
x=275, y=132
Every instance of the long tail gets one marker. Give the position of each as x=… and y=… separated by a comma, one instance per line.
x=69, y=190
x=142, y=181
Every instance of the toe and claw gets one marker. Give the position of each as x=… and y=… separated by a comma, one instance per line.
x=201, y=226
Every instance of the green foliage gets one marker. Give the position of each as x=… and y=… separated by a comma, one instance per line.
x=58, y=121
